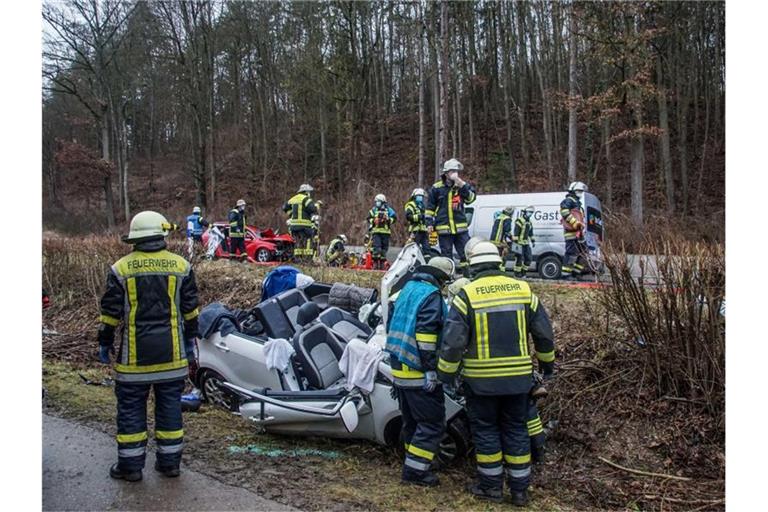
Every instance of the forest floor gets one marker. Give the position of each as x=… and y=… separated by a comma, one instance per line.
x=603, y=411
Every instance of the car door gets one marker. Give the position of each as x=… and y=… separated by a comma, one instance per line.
x=244, y=360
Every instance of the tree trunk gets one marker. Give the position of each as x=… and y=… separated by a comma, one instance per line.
x=572, y=96
x=108, y=199
x=666, y=156
x=522, y=70
x=444, y=79
x=608, y=162
x=422, y=89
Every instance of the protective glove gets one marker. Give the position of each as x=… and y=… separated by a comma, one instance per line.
x=533, y=242
x=105, y=353
x=458, y=181
x=430, y=381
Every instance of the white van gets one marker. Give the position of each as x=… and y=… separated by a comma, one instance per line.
x=547, y=231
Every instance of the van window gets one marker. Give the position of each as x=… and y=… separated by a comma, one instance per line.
x=595, y=222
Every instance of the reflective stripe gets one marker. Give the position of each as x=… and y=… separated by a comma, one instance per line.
x=133, y=301
x=423, y=336
x=409, y=383
x=174, y=318
x=419, y=466
x=429, y=347
x=407, y=373
x=419, y=452
x=494, y=471
x=173, y=365
x=158, y=376
x=522, y=333
x=481, y=333
x=451, y=224
x=132, y=438
x=459, y=304
x=109, y=320
x=169, y=434
x=447, y=366
x=546, y=357
x=497, y=372
x=170, y=448
x=519, y=473
x=493, y=457
x=517, y=459
x=192, y=314
x=534, y=303
x=498, y=361
x=131, y=452
x=504, y=308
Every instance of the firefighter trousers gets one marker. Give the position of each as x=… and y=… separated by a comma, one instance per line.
x=523, y=259
x=573, y=256
x=302, y=241
x=237, y=244
x=450, y=242
x=423, y=426
x=502, y=445
x=380, y=246
x=422, y=240
x=132, y=424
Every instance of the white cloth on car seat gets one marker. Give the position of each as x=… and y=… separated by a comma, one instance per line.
x=277, y=353
x=359, y=364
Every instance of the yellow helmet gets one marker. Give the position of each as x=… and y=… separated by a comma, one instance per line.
x=148, y=225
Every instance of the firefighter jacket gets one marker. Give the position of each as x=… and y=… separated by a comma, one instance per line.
x=414, y=214
x=380, y=219
x=502, y=227
x=571, y=216
x=334, y=251
x=195, y=225
x=237, y=223
x=300, y=208
x=487, y=335
x=152, y=292
x=445, y=207
x=414, y=328
x=523, y=233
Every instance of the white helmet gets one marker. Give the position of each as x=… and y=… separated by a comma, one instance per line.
x=452, y=165
x=196, y=209
x=577, y=186
x=306, y=187
x=472, y=242
x=240, y=202
x=529, y=209
x=380, y=197
x=440, y=267
x=146, y=225
x=483, y=252
x=418, y=192
x=343, y=238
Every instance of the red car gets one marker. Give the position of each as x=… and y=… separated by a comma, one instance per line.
x=261, y=246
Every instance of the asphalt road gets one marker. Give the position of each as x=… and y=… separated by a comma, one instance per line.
x=76, y=461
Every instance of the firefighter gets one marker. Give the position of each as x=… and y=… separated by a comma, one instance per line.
x=335, y=254
x=445, y=210
x=523, y=237
x=572, y=220
x=152, y=293
x=502, y=230
x=300, y=209
x=380, y=220
x=487, y=334
x=414, y=330
x=237, y=225
x=414, y=214
x=195, y=226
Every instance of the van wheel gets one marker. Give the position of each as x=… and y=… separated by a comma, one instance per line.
x=549, y=267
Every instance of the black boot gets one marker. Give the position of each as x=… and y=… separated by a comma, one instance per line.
x=519, y=498
x=129, y=476
x=170, y=472
x=423, y=478
x=488, y=494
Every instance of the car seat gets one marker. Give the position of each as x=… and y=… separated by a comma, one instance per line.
x=318, y=352
x=274, y=320
x=291, y=301
x=344, y=323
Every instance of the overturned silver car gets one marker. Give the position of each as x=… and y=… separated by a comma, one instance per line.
x=294, y=364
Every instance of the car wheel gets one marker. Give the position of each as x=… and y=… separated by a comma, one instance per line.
x=549, y=267
x=213, y=392
x=455, y=443
x=263, y=255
